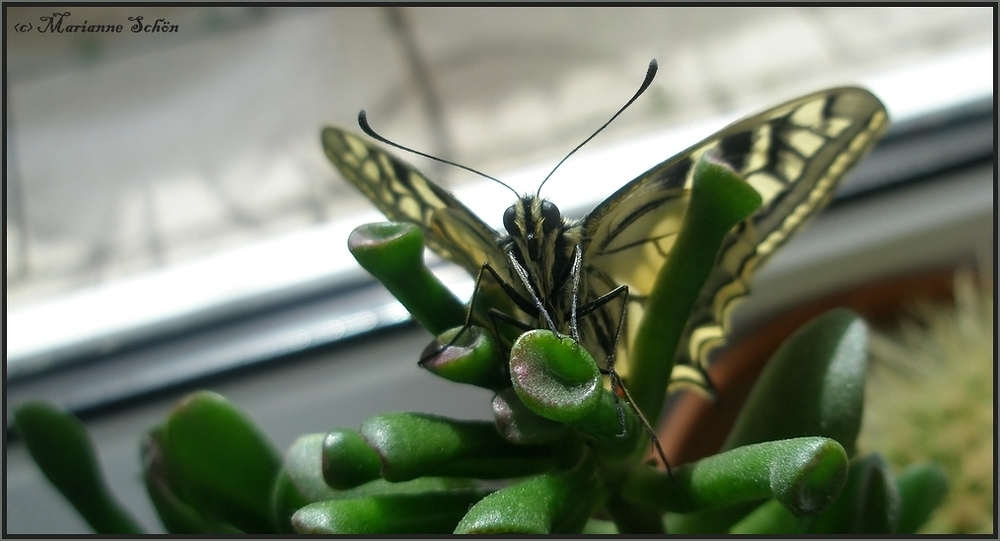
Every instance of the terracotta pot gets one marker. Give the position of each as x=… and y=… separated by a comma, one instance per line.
x=694, y=428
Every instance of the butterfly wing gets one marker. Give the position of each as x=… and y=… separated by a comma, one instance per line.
x=404, y=194
x=794, y=155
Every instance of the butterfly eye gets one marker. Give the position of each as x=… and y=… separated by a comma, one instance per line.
x=510, y=221
x=551, y=216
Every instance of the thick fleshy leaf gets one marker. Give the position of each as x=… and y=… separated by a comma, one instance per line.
x=922, y=487
x=720, y=199
x=616, y=431
x=301, y=482
x=394, y=254
x=177, y=509
x=222, y=460
x=557, y=379
x=474, y=358
x=596, y=526
x=804, y=474
x=812, y=386
x=518, y=424
x=557, y=502
x=555, y=376
x=348, y=460
x=60, y=445
x=869, y=503
x=413, y=445
x=409, y=513
x=771, y=518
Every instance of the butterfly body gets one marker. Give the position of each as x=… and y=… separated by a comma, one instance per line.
x=542, y=242
x=794, y=155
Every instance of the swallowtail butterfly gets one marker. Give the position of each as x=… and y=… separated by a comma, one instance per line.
x=794, y=155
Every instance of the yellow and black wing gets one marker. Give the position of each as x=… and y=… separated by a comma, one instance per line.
x=404, y=194
x=794, y=155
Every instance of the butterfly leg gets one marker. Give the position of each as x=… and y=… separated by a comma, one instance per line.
x=497, y=317
x=575, y=314
x=526, y=280
x=616, y=383
x=519, y=300
x=609, y=362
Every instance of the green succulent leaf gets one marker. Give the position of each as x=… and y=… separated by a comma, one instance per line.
x=557, y=379
x=60, y=445
x=474, y=358
x=391, y=513
x=812, y=386
x=394, y=254
x=177, y=509
x=348, y=460
x=222, y=461
x=869, y=503
x=804, y=474
x=616, y=432
x=412, y=445
x=518, y=424
x=720, y=199
x=556, y=502
x=771, y=518
x=555, y=376
x=922, y=488
x=301, y=482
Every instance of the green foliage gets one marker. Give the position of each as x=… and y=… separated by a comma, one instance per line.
x=395, y=254
x=59, y=443
x=563, y=450
x=219, y=462
x=720, y=199
x=814, y=384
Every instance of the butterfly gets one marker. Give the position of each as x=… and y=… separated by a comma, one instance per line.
x=556, y=270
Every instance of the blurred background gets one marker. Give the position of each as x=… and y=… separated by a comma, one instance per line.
x=171, y=221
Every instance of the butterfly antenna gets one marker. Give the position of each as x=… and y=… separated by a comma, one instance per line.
x=365, y=127
x=650, y=73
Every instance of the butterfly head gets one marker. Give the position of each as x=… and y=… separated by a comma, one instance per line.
x=533, y=224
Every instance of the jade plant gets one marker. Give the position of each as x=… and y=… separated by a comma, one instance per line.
x=567, y=452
